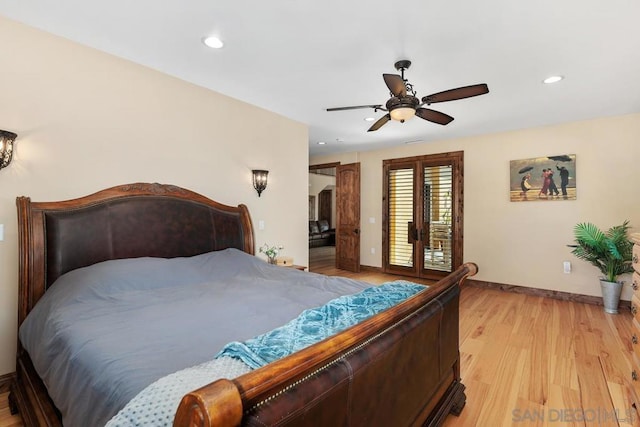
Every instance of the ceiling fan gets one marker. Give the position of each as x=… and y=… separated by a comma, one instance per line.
x=404, y=104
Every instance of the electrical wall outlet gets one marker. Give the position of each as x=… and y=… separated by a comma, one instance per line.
x=566, y=265
x=373, y=251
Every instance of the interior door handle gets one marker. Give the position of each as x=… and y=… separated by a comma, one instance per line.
x=412, y=233
x=426, y=226
x=357, y=231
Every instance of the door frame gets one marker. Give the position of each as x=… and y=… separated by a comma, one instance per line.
x=325, y=166
x=456, y=159
x=337, y=230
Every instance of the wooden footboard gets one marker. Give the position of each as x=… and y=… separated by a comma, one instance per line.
x=398, y=368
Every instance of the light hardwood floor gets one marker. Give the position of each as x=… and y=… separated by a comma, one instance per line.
x=534, y=361
x=6, y=419
x=526, y=361
x=322, y=261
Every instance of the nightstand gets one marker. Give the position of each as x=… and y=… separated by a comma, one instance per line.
x=288, y=262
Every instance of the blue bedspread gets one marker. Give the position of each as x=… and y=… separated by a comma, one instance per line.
x=315, y=324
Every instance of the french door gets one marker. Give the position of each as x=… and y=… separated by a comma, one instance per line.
x=422, y=221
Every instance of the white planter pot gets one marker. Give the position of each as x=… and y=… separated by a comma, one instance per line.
x=610, y=295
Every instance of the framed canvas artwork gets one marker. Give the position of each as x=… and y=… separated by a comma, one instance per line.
x=548, y=178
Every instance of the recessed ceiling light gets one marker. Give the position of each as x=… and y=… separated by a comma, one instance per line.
x=213, y=42
x=553, y=79
x=321, y=143
x=369, y=119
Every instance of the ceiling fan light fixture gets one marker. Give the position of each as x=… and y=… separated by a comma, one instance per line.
x=402, y=114
x=402, y=108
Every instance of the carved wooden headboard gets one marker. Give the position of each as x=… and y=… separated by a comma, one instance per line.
x=127, y=221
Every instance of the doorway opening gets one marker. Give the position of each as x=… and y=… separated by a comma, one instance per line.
x=322, y=216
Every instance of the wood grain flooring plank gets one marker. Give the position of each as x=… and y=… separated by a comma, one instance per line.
x=6, y=419
x=502, y=398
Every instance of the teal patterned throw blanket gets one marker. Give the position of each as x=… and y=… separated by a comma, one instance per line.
x=315, y=324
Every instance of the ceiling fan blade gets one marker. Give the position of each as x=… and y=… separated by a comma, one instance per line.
x=355, y=107
x=434, y=116
x=381, y=121
x=458, y=93
x=395, y=84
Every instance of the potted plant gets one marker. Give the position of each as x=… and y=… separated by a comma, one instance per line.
x=271, y=252
x=611, y=252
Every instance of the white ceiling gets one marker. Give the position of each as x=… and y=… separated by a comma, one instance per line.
x=297, y=57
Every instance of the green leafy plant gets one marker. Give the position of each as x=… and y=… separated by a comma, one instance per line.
x=610, y=251
x=270, y=251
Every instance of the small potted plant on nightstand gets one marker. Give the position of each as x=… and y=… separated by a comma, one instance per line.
x=611, y=252
x=271, y=252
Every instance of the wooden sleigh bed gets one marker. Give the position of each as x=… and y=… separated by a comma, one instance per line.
x=399, y=367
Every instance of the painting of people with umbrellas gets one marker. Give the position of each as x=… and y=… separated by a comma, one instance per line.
x=543, y=178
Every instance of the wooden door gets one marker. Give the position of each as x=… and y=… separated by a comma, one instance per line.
x=312, y=208
x=325, y=205
x=348, y=217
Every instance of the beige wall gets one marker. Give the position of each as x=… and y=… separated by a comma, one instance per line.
x=524, y=243
x=86, y=121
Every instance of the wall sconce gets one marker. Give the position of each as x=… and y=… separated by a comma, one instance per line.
x=6, y=147
x=260, y=180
